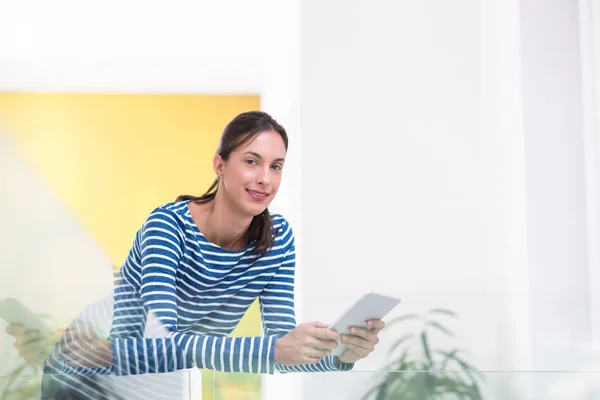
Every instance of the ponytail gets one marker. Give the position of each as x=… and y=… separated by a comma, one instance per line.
x=205, y=198
x=261, y=229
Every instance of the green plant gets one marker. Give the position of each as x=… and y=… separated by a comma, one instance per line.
x=419, y=371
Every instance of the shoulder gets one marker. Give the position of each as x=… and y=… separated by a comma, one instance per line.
x=284, y=234
x=280, y=224
x=176, y=209
x=169, y=215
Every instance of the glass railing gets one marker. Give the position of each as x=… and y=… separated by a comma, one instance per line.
x=180, y=385
x=347, y=385
x=412, y=385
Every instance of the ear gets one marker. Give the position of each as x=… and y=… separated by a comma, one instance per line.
x=218, y=164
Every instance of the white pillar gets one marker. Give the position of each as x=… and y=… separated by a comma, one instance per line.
x=280, y=97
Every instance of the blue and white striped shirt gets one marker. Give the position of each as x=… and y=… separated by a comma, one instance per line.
x=200, y=292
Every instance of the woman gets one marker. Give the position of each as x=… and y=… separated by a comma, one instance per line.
x=197, y=264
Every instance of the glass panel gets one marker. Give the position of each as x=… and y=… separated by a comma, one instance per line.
x=417, y=385
x=179, y=385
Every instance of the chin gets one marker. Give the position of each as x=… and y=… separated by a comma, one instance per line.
x=257, y=211
x=250, y=210
x=254, y=209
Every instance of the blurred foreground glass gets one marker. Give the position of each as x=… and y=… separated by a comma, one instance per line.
x=420, y=385
x=178, y=385
x=348, y=385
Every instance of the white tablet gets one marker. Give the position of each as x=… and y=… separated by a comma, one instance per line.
x=368, y=306
x=14, y=311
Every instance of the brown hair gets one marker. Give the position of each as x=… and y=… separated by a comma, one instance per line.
x=238, y=132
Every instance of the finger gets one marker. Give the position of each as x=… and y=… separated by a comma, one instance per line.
x=28, y=346
x=325, y=334
x=366, y=334
x=358, y=350
x=361, y=332
x=376, y=325
x=14, y=329
x=31, y=335
x=358, y=342
x=26, y=334
x=31, y=352
x=32, y=342
x=31, y=348
x=25, y=339
x=324, y=344
x=318, y=324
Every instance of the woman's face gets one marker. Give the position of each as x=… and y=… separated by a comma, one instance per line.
x=251, y=177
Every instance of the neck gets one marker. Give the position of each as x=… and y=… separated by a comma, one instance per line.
x=224, y=226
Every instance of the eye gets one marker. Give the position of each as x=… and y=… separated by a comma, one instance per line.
x=277, y=167
x=251, y=162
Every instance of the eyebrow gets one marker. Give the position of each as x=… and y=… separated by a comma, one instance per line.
x=260, y=157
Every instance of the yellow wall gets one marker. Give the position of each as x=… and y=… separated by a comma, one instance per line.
x=110, y=158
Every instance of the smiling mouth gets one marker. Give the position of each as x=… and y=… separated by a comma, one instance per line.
x=257, y=193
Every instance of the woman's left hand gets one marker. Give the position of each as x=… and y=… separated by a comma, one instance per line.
x=82, y=347
x=361, y=342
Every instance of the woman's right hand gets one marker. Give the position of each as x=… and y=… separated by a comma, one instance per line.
x=33, y=347
x=308, y=343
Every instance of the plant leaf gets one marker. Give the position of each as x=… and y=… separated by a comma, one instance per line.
x=443, y=311
x=467, y=368
x=420, y=372
x=399, y=341
x=406, y=317
x=447, y=357
x=425, y=343
x=441, y=328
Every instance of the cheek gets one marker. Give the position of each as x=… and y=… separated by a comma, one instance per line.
x=275, y=182
x=240, y=176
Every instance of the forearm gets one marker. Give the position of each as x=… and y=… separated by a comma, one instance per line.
x=133, y=356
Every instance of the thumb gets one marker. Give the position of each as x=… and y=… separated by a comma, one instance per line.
x=14, y=329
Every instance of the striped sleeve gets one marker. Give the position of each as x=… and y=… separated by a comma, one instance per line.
x=161, y=247
x=277, y=308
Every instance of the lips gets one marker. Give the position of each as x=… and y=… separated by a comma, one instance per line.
x=257, y=194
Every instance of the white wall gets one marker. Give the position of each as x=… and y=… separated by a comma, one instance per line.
x=590, y=58
x=136, y=46
x=556, y=187
x=443, y=163
x=400, y=176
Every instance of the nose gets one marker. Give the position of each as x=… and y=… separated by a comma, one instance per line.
x=264, y=176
